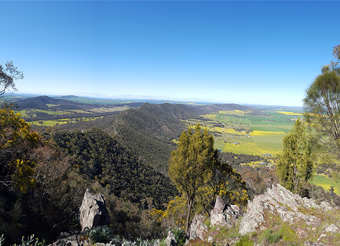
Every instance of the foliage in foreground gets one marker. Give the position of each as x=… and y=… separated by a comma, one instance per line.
x=197, y=172
x=191, y=165
x=42, y=186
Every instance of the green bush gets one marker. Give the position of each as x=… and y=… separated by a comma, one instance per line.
x=179, y=234
x=116, y=240
x=101, y=234
x=245, y=241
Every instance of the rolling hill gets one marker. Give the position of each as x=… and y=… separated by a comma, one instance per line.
x=148, y=131
x=46, y=103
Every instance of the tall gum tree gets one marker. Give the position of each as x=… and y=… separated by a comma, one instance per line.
x=8, y=74
x=322, y=105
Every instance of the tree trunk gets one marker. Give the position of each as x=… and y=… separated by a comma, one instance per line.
x=190, y=202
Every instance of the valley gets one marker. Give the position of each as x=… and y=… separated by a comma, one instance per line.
x=249, y=131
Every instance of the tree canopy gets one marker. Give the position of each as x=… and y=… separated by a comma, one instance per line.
x=295, y=164
x=8, y=74
x=336, y=54
x=191, y=164
x=322, y=107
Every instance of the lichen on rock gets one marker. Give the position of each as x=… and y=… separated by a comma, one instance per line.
x=280, y=202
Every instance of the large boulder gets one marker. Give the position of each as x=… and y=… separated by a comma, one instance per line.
x=197, y=228
x=93, y=211
x=224, y=215
x=280, y=202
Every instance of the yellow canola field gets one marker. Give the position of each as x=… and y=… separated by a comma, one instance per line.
x=266, y=133
x=288, y=113
x=234, y=112
x=246, y=148
x=226, y=130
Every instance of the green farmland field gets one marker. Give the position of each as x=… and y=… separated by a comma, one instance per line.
x=61, y=121
x=48, y=122
x=326, y=183
x=243, y=133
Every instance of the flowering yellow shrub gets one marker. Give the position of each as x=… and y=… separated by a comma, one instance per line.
x=23, y=175
x=206, y=197
x=176, y=211
x=16, y=143
x=157, y=214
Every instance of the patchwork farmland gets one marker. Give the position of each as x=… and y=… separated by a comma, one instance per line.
x=242, y=132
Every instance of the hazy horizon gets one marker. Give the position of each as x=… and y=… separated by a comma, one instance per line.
x=146, y=99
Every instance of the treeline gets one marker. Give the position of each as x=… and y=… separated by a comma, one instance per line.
x=36, y=115
x=236, y=159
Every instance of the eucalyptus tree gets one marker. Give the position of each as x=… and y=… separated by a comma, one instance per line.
x=192, y=164
x=296, y=163
x=322, y=107
x=336, y=54
x=8, y=74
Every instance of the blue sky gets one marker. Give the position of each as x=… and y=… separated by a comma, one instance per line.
x=234, y=52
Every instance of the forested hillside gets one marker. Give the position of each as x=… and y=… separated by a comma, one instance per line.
x=45, y=102
x=148, y=131
x=100, y=157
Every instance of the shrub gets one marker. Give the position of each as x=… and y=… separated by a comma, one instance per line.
x=31, y=241
x=179, y=234
x=244, y=241
x=101, y=234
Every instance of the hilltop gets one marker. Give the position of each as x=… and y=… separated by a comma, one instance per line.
x=46, y=103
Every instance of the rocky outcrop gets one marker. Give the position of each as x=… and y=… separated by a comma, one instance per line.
x=93, y=211
x=197, y=228
x=170, y=240
x=217, y=217
x=279, y=202
x=224, y=215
